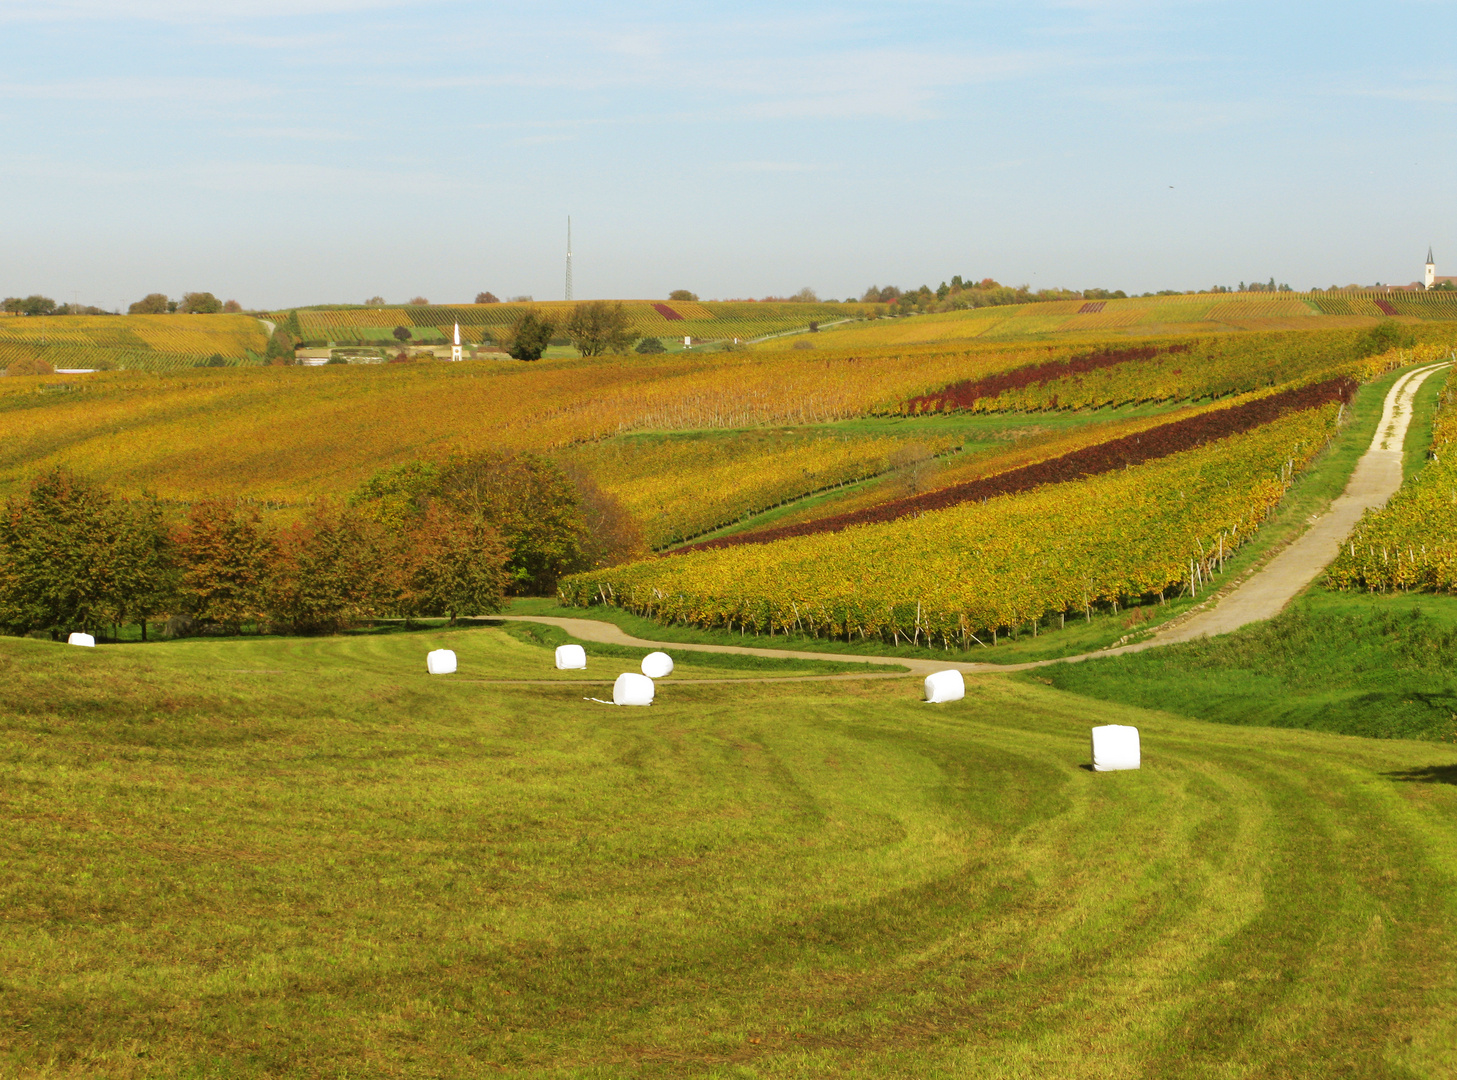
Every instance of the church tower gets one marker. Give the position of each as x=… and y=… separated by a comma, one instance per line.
x=1431, y=270
x=455, y=353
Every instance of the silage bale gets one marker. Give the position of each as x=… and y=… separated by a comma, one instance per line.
x=440, y=662
x=632, y=689
x=1115, y=746
x=82, y=639
x=657, y=665
x=570, y=657
x=944, y=686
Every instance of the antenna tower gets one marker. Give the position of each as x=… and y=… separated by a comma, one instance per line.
x=569, y=256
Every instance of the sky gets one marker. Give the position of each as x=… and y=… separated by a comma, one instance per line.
x=290, y=152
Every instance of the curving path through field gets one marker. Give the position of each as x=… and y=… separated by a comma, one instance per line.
x=1263, y=595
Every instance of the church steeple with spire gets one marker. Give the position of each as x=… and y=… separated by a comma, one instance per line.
x=1431, y=270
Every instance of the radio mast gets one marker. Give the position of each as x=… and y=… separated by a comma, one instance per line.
x=569, y=256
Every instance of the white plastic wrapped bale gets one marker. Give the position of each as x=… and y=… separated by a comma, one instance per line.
x=1115, y=746
x=82, y=639
x=440, y=662
x=657, y=665
x=945, y=686
x=632, y=689
x=570, y=657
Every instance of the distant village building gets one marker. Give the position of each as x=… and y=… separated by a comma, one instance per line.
x=1432, y=279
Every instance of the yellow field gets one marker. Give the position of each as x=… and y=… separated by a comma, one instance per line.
x=1199, y=313
x=152, y=342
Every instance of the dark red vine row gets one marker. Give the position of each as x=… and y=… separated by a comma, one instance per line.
x=1170, y=438
x=963, y=394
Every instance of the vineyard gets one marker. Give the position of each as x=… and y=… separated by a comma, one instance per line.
x=1100, y=457
x=1190, y=314
x=1411, y=543
x=678, y=489
x=283, y=435
x=966, y=574
x=710, y=321
x=130, y=342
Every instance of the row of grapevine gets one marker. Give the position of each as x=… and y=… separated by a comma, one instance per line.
x=964, y=574
x=1411, y=543
x=682, y=488
x=1184, y=433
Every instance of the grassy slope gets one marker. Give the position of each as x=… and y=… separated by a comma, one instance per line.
x=1311, y=493
x=370, y=872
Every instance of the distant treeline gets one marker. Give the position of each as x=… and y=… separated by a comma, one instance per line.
x=416, y=540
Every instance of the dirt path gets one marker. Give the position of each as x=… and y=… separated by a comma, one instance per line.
x=1375, y=479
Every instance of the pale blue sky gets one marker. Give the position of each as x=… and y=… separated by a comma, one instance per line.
x=302, y=151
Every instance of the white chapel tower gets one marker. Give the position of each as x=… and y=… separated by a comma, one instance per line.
x=1431, y=270
x=455, y=353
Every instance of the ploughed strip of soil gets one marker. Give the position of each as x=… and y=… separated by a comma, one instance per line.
x=963, y=394
x=1134, y=449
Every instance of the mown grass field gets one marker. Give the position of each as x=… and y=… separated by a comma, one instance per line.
x=307, y=858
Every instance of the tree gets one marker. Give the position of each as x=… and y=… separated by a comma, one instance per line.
x=807, y=295
x=531, y=502
x=598, y=327
x=374, y=301
x=232, y=307
x=419, y=301
x=682, y=294
x=650, y=345
x=402, y=334
x=486, y=298
x=452, y=564
x=280, y=347
x=397, y=494
x=610, y=534
x=1385, y=335
x=30, y=305
x=226, y=556
x=56, y=553
x=528, y=337
x=200, y=303
x=329, y=572
x=151, y=304
x=143, y=569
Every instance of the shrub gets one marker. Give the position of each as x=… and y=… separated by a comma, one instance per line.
x=31, y=365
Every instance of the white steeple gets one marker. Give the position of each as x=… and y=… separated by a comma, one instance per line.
x=455, y=353
x=1431, y=270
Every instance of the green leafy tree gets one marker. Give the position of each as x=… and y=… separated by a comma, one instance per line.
x=453, y=564
x=397, y=495
x=30, y=305
x=402, y=334
x=329, y=572
x=226, y=555
x=598, y=327
x=200, y=303
x=528, y=337
x=151, y=304
x=650, y=345
x=291, y=324
x=143, y=567
x=682, y=294
x=534, y=506
x=1387, y=334
x=57, y=544
x=280, y=347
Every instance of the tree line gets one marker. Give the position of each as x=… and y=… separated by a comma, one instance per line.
x=448, y=538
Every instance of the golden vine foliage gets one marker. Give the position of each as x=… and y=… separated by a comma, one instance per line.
x=1411, y=543
x=976, y=568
